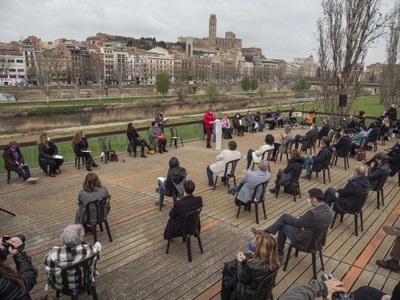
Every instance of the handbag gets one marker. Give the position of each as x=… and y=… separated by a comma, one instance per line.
x=113, y=157
x=361, y=155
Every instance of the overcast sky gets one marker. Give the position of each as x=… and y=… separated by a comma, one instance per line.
x=282, y=28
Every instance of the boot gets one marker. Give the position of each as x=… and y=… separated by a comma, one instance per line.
x=160, y=150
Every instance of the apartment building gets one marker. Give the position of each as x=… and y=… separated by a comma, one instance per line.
x=12, y=64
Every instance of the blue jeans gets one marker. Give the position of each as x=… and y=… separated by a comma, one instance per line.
x=308, y=162
x=161, y=190
x=330, y=196
x=25, y=173
x=210, y=176
x=285, y=228
x=297, y=139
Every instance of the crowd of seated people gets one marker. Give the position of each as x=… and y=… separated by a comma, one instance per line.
x=251, y=268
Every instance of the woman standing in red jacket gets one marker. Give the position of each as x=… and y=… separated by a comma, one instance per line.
x=208, y=120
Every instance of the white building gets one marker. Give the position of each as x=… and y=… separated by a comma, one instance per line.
x=12, y=66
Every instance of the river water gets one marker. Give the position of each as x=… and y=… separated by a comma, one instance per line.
x=110, y=114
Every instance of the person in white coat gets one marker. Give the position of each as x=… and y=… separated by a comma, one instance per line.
x=218, y=168
x=256, y=155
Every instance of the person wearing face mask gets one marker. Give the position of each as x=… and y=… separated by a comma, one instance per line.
x=48, y=155
x=14, y=161
x=157, y=138
x=346, y=199
x=300, y=231
x=238, y=124
x=209, y=119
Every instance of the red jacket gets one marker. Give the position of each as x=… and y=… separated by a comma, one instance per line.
x=209, y=119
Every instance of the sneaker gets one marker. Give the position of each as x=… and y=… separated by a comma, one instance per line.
x=391, y=230
x=32, y=179
x=390, y=264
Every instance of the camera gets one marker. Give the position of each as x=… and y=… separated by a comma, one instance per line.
x=5, y=245
x=337, y=295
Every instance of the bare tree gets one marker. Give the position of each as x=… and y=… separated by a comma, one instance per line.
x=390, y=81
x=180, y=89
x=346, y=31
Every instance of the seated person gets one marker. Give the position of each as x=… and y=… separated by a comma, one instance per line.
x=48, y=155
x=361, y=118
x=187, y=204
x=92, y=190
x=218, y=168
x=356, y=140
x=312, y=118
x=248, y=183
x=278, y=119
x=251, y=123
x=260, y=122
x=160, y=120
x=292, y=117
x=378, y=168
x=14, y=161
x=238, y=124
x=346, y=199
x=301, y=230
x=307, y=139
x=252, y=269
x=135, y=140
x=350, y=123
x=374, y=131
x=157, y=138
x=284, y=139
x=257, y=155
x=324, y=131
x=81, y=149
x=319, y=161
x=73, y=251
x=166, y=185
x=16, y=285
x=226, y=127
x=294, y=166
x=342, y=147
x=269, y=119
x=394, y=159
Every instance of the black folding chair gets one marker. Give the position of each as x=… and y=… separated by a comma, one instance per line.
x=190, y=228
x=99, y=206
x=264, y=288
x=84, y=272
x=229, y=173
x=257, y=197
x=325, y=168
x=177, y=192
x=319, y=239
x=78, y=157
x=379, y=190
x=357, y=212
x=267, y=155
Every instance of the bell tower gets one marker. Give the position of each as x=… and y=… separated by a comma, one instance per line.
x=212, y=30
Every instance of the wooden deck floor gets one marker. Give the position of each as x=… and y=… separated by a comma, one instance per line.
x=135, y=266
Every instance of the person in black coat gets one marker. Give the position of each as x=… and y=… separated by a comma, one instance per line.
x=394, y=159
x=16, y=285
x=134, y=140
x=377, y=169
x=321, y=160
x=187, y=204
x=306, y=140
x=175, y=175
x=324, y=129
x=48, y=155
x=346, y=199
x=342, y=147
x=284, y=176
x=253, y=269
x=392, y=114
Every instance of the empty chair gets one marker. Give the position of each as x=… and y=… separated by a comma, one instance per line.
x=357, y=211
x=191, y=228
x=105, y=147
x=78, y=157
x=318, y=243
x=101, y=217
x=175, y=137
x=229, y=173
x=257, y=197
x=83, y=273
